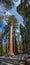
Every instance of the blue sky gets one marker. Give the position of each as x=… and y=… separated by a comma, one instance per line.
x=2, y=26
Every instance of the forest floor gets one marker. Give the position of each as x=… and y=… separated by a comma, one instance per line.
x=14, y=60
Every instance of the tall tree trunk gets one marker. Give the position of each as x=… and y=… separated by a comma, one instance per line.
x=7, y=47
x=15, y=44
x=11, y=43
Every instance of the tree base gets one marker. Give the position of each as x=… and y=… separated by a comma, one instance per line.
x=11, y=54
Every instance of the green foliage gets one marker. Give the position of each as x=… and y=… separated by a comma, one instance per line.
x=24, y=10
x=4, y=50
x=1, y=17
x=12, y=19
x=22, y=28
x=9, y=3
x=28, y=26
x=20, y=9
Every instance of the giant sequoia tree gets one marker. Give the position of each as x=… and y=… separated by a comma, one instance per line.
x=12, y=21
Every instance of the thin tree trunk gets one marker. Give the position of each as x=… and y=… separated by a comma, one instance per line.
x=15, y=45
x=0, y=47
x=7, y=47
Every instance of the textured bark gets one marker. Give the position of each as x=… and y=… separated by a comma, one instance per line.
x=11, y=44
